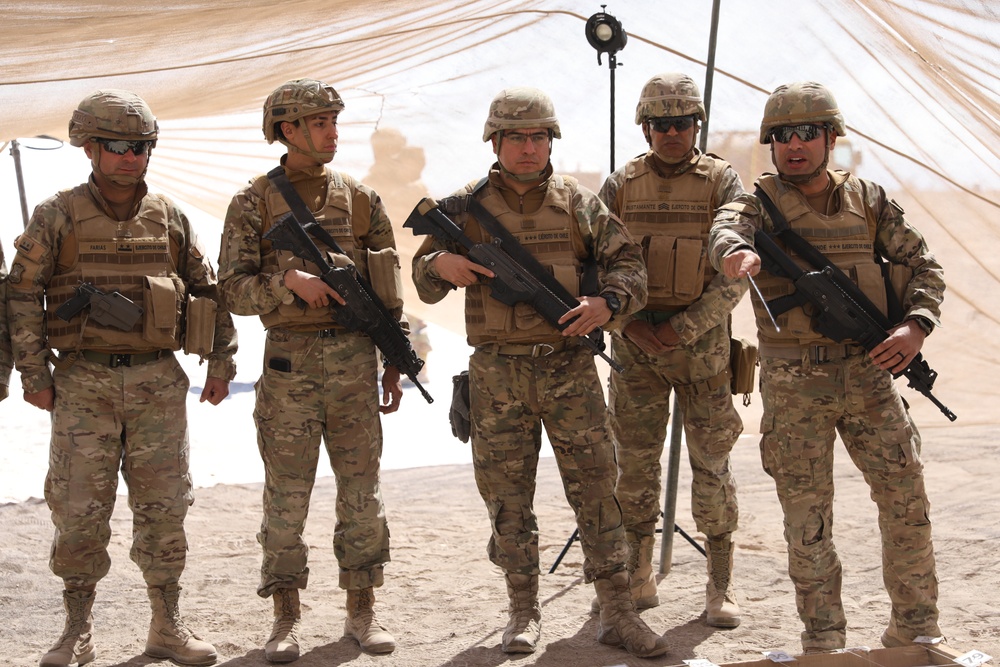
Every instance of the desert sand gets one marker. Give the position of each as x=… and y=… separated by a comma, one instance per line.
x=445, y=602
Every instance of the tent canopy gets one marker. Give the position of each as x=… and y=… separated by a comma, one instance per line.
x=916, y=79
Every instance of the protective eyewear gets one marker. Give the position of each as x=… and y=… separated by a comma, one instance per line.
x=520, y=139
x=120, y=147
x=783, y=134
x=664, y=123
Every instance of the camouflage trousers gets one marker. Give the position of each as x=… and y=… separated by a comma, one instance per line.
x=805, y=405
x=329, y=392
x=639, y=409
x=511, y=398
x=132, y=419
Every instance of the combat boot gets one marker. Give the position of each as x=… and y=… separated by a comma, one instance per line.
x=524, y=626
x=168, y=636
x=283, y=644
x=721, y=610
x=620, y=624
x=643, y=579
x=76, y=645
x=363, y=625
x=894, y=637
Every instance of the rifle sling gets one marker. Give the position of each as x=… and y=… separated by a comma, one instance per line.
x=299, y=210
x=819, y=261
x=510, y=244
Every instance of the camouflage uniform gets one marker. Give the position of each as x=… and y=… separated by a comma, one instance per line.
x=813, y=389
x=561, y=390
x=6, y=361
x=639, y=403
x=319, y=380
x=329, y=390
x=120, y=397
x=111, y=417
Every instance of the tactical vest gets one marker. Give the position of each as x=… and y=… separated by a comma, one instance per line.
x=845, y=240
x=121, y=256
x=552, y=236
x=345, y=215
x=671, y=218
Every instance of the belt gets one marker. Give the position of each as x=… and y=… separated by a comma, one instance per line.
x=529, y=349
x=114, y=360
x=817, y=354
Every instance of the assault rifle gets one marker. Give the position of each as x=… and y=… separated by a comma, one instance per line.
x=110, y=309
x=841, y=311
x=512, y=283
x=364, y=311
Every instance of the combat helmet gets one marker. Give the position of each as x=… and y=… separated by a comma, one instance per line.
x=519, y=108
x=801, y=103
x=669, y=94
x=112, y=114
x=296, y=99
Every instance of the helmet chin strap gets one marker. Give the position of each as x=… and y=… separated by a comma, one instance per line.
x=323, y=157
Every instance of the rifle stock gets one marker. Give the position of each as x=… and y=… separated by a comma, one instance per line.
x=512, y=283
x=838, y=314
x=364, y=311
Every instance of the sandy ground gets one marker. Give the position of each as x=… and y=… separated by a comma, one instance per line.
x=445, y=602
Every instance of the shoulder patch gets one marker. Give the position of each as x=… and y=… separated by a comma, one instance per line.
x=29, y=247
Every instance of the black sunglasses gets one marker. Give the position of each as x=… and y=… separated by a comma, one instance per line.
x=120, y=146
x=679, y=123
x=783, y=134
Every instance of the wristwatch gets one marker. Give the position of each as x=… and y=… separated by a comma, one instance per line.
x=614, y=303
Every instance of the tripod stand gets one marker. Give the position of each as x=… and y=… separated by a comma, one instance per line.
x=576, y=536
x=670, y=500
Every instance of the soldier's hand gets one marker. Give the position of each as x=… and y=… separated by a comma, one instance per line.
x=458, y=270
x=896, y=352
x=593, y=312
x=392, y=390
x=741, y=263
x=642, y=334
x=311, y=289
x=215, y=391
x=44, y=399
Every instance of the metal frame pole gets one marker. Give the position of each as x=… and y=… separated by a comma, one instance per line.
x=15, y=153
x=677, y=414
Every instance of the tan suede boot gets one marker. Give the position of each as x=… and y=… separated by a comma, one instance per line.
x=76, y=645
x=620, y=624
x=525, y=625
x=363, y=625
x=283, y=644
x=643, y=578
x=721, y=610
x=168, y=636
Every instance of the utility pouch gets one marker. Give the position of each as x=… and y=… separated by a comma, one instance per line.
x=199, y=332
x=458, y=415
x=386, y=279
x=161, y=297
x=742, y=364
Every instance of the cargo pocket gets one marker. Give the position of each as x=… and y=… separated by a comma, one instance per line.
x=689, y=268
x=660, y=264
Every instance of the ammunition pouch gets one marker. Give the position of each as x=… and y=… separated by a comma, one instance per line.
x=458, y=415
x=162, y=299
x=742, y=364
x=386, y=279
x=199, y=331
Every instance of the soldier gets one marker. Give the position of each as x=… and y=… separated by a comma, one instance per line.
x=524, y=373
x=679, y=341
x=814, y=388
x=117, y=394
x=6, y=361
x=319, y=380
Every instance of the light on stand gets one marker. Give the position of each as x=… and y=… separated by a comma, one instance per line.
x=605, y=33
